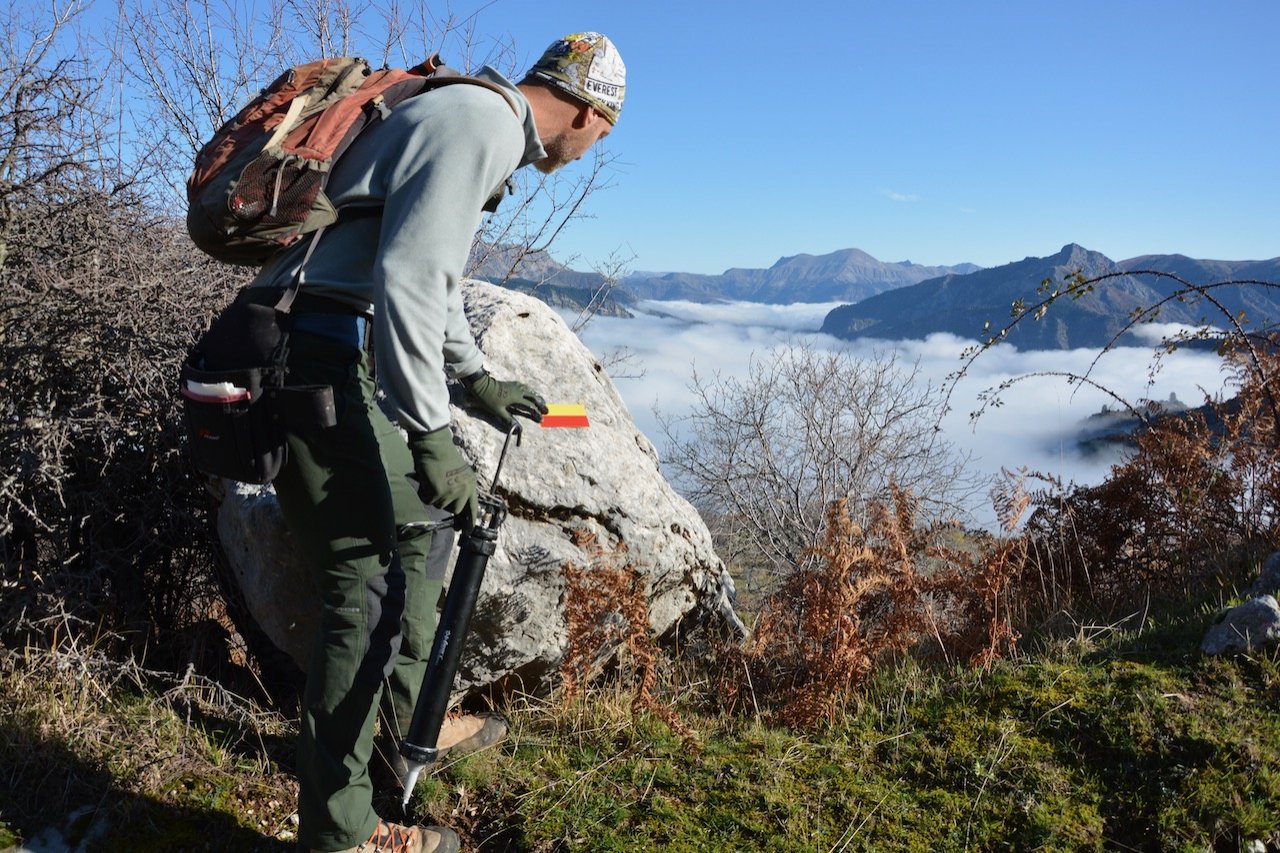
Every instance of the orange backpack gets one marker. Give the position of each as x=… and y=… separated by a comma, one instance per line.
x=258, y=185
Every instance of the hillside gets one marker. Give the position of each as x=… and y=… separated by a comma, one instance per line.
x=965, y=305
x=537, y=273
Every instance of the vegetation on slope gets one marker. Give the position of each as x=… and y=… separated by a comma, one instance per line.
x=1116, y=738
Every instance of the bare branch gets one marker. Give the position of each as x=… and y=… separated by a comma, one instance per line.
x=769, y=453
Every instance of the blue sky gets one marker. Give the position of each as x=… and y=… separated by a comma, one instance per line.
x=937, y=132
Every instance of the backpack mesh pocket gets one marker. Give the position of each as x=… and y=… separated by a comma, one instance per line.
x=274, y=191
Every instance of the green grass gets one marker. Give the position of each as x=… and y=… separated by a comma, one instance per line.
x=1126, y=741
x=1132, y=743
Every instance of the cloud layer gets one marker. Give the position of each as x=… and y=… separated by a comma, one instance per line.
x=1035, y=427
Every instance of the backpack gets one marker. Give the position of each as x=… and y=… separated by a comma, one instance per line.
x=258, y=185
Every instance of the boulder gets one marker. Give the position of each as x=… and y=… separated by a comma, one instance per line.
x=588, y=498
x=1250, y=626
x=1268, y=580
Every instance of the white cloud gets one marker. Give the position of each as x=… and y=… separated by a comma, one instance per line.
x=1036, y=426
x=897, y=196
x=802, y=316
x=1155, y=333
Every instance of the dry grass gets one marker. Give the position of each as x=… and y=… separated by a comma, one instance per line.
x=79, y=728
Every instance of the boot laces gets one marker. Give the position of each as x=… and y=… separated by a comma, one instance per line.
x=392, y=838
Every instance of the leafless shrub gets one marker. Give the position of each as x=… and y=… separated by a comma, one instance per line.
x=767, y=455
x=99, y=515
x=50, y=135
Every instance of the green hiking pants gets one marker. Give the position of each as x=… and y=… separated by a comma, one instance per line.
x=344, y=495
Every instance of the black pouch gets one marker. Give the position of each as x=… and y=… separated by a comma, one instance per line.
x=236, y=403
x=231, y=429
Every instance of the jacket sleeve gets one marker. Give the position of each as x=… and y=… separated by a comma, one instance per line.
x=461, y=355
x=450, y=161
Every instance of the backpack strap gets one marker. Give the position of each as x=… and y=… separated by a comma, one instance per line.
x=438, y=74
x=291, y=291
x=444, y=79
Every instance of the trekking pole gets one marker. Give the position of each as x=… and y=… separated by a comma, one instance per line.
x=419, y=746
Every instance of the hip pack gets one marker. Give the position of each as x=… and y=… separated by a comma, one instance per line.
x=236, y=403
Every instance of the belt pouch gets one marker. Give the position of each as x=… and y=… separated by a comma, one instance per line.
x=232, y=428
x=305, y=406
x=228, y=384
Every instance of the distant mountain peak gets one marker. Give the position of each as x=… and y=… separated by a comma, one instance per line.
x=844, y=275
x=1074, y=251
x=969, y=305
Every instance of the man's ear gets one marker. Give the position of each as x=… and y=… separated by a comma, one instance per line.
x=585, y=116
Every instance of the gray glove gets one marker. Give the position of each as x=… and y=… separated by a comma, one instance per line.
x=445, y=479
x=504, y=399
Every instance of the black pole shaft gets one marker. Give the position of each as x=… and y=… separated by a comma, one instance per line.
x=420, y=744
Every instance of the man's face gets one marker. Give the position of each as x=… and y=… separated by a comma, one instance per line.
x=572, y=142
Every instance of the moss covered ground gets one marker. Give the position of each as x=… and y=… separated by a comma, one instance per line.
x=1135, y=743
x=1119, y=741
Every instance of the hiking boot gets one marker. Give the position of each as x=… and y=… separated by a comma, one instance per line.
x=470, y=733
x=394, y=838
x=458, y=736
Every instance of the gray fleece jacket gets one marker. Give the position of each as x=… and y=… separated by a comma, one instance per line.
x=430, y=166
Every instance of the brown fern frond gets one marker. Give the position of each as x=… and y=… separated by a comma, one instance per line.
x=1010, y=499
x=860, y=600
x=607, y=607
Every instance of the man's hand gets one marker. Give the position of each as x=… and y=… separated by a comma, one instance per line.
x=504, y=399
x=445, y=479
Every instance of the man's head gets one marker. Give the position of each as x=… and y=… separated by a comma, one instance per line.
x=576, y=89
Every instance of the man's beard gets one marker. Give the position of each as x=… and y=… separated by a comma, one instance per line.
x=560, y=152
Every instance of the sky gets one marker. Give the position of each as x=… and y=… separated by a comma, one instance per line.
x=939, y=132
x=985, y=131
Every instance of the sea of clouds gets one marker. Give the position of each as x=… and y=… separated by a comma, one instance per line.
x=1037, y=426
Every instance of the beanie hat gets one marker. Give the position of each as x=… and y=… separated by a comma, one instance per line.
x=588, y=67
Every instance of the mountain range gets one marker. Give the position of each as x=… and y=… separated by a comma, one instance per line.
x=848, y=275
x=904, y=300
x=979, y=304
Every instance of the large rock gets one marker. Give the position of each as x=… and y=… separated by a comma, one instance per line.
x=603, y=481
x=1246, y=628
x=1268, y=580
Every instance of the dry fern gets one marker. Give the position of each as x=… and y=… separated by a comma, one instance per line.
x=862, y=599
x=606, y=606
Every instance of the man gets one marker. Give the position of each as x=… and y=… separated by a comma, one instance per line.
x=420, y=177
